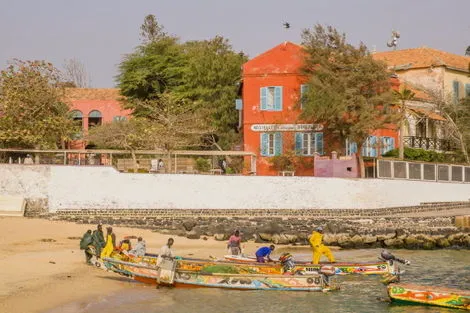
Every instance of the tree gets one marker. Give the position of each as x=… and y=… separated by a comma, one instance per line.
x=203, y=74
x=348, y=91
x=150, y=30
x=211, y=79
x=130, y=135
x=32, y=111
x=403, y=95
x=75, y=73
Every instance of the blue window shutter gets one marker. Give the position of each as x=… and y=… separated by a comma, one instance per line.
x=366, y=147
x=264, y=138
x=373, y=147
x=298, y=143
x=278, y=98
x=263, y=99
x=303, y=91
x=319, y=143
x=352, y=147
x=238, y=104
x=467, y=90
x=277, y=143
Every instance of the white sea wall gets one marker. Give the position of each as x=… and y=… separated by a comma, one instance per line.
x=81, y=187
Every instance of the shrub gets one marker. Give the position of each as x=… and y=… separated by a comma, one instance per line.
x=202, y=165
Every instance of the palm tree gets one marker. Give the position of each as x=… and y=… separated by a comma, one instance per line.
x=403, y=96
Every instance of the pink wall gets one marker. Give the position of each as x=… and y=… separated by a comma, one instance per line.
x=324, y=166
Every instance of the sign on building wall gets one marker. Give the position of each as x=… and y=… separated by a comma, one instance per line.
x=285, y=127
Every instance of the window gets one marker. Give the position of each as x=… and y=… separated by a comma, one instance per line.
x=351, y=147
x=308, y=143
x=456, y=87
x=303, y=92
x=369, y=149
x=119, y=118
x=271, y=144
x=388, y=144
x=271, y=98
x=467, y=90
x=94, y=118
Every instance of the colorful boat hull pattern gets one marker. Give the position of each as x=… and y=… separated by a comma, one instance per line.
x=444, y=297
x=190, y=279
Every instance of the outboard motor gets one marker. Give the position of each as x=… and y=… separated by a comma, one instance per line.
x=287, y=262
x=387, y=256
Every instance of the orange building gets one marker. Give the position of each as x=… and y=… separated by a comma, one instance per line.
x=271, y=92
x=92, y=107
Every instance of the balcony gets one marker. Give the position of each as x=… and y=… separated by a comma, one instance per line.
x=428, y=143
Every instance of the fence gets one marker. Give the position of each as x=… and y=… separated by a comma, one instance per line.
x=397, y=169
x=183, y=161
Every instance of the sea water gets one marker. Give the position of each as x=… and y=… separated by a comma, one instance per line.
x=446, y=268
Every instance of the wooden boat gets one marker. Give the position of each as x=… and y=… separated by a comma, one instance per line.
x=429, y=295
x=243, y=267
x=172, y=276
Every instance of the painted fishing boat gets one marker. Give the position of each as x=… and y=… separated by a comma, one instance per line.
x=168, y=274
x=429, y=295
x=380, y=267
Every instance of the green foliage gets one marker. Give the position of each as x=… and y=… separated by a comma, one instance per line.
x=202, y=165
x=32, y=111
x=348, y=90
x=284, y=162
x=425, y=156
x=202, y=74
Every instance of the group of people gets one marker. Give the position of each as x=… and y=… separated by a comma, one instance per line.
x=97, y=244
x=263, y=253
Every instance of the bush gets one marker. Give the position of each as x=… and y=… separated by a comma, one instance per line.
x=202, y=165
x=425, y=156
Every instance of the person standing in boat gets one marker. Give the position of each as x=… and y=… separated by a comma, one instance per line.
x=264, y=253
x=165, y=251
x=318, y=248
x=98, y=240
x=110, y=243
x=234, y=243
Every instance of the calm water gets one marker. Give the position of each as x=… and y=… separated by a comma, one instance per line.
x=358, y=294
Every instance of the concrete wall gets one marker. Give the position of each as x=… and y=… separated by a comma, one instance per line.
x=68, y=187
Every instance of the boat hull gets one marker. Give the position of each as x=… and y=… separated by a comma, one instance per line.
x=427, y=295
x=149, y=274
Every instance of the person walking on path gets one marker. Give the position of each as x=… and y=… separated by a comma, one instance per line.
x=264, y=252
x=86, y=240
x=110, y=243
x=98, y=240
x=318, y=248
x=234, y=243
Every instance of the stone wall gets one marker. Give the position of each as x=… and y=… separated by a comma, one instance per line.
x=387, y=228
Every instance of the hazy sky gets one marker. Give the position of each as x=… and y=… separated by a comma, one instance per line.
x=99, y=32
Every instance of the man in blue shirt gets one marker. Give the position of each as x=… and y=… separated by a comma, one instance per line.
x=264, y=252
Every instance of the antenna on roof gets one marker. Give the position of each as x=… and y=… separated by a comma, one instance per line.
x=286, y=25
x=467, y=52
x=393, y=42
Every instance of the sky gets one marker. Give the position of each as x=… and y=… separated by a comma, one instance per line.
x=99, y=32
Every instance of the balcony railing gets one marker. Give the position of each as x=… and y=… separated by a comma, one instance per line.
x=429, y=143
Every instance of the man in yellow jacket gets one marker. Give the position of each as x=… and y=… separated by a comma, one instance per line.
x=316, y=240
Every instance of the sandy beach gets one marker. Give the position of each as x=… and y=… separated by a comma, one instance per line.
x=42, y=266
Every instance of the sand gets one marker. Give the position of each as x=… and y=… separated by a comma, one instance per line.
x=42, y=267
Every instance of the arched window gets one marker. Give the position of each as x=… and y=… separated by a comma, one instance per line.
x=94, y=118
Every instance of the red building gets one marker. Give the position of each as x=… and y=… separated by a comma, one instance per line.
x=271, y=93
x=92, y=107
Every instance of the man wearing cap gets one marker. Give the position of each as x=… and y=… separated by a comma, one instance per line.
x=318, y=248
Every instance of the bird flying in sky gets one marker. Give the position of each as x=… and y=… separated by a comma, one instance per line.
x=286, y=25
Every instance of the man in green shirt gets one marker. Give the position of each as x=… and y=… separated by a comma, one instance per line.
x=98, y=240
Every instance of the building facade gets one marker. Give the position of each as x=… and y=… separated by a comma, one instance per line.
x=432, y=75
x=92, y=107
x=271, y=105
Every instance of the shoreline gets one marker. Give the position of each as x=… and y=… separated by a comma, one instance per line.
x=44, y=269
